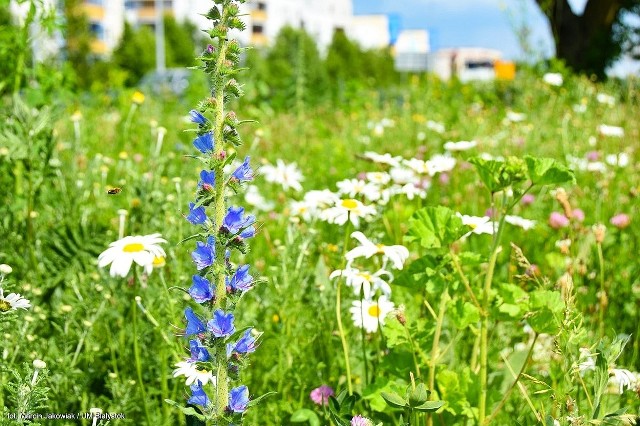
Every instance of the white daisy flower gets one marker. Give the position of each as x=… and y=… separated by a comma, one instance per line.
x=302, y=209
x=379, y=178
x=440, y=164
x=613, y=131
x=12, y=302
x=515, y=117
x=286, y=175
x=523, y=223
x=435, y=126
x=460, y=146
x=586, y=361
x=605, y=99
x=479, y=225
x=320, y=200
x=553, y=79
x=418, y=166
x=620, y=160
x=402, y=175
x=356, y=187
x=621, y=379
x=365, y=281
x=412, y=191
x=253, y=197
x=397, y=254
x=141, y=249
x=382, y=158
x=191, y=371
x=349, y=209
x=368, y=314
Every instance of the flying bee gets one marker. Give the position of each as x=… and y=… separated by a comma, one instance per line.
x=114, y=191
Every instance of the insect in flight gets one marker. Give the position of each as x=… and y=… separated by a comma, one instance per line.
x=114, y=191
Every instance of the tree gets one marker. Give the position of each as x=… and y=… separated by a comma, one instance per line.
x=78, y=41
x=590, y=42
x=135, y=52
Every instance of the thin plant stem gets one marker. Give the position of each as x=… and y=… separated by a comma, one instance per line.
x=343, y=339
x=363, y=334
x=136, y=354
x=603, y=295
x=515, y=381
x=436, y=346
x=464, y=279
x=523, y=391
x=484, y=323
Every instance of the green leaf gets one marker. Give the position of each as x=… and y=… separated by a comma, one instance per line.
x=544, y=321
x=394, y=400
x=547, y=171
x=549, y=299
x=498, y=175
x=187, y=411
x=435, y=227
x=429, y=406
x=372, y=392
x=305, y=415
x=462, y=313
x=418, y=396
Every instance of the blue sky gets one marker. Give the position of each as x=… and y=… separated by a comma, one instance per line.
x=476, y=23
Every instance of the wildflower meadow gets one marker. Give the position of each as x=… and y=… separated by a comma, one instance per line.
x=404, y=252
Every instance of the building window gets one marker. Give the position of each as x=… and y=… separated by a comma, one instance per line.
x=257, y=29
x=97, y=30
x=96, y=2
x=261, y=5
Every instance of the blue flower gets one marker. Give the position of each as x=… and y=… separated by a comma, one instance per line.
x=194, y=325
x=248, y=232
x=207, y=180
x=222, y=324
x=197, y=215
x=244, y=173
x=246, y=344
x=204, y=254
x=198, y=352
x=198, y=396
x=201, y=290
x=238, y=399
x=197, y=118
x=234, y=221
x=204, y=143
x=241, y=280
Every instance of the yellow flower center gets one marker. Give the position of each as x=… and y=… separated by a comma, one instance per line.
x=349, y=204
x=380, y=248
x=365, y=276
x=133, y=248
x=473, y=225
x=158, y=262
x=5, y=306
x=374, y=311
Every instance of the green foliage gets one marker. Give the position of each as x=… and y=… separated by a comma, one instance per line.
x=294, y=70
x=135, y=53
x=435, y=227
x=78, y=41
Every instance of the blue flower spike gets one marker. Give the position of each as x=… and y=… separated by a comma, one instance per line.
x=244, y=173
x=198, y=396
x=197, y=215
x=238, y=399
x=194, y=325
x=222, y=324
x=205, y=254
x=197, y=117
x=201, y=291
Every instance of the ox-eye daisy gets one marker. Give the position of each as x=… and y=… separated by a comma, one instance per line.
x=478, y=225
x=368, y=314
x=364, y=281
x=12, y=302
x=349, y=209
x=191, y=371
x=142, y=249
x=396, y=254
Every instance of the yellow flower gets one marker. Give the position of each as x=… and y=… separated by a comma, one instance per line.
x=137, y=98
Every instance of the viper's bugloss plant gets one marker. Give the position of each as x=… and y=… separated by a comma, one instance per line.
x=218, y=347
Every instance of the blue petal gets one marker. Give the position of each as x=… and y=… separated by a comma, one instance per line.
x=204, y=143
